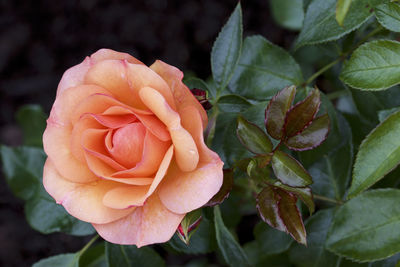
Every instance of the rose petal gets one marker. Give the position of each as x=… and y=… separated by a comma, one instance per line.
x=185, y=148
x=67, y=101
x=112, y=75
x=104, y=54
x=131, y=181
x=150, y=224
x=96, y=154
x=113, y=121
x=74, y=76
x=128, y=144
x=125, y=196
x=183, y=96
x=56, y=141
x=182, y=192
x=83, y=201
x=141, y=76
x=97, y=104
x=153, y=153
x=162, y=170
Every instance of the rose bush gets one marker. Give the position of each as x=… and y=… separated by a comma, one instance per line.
x=125, y=148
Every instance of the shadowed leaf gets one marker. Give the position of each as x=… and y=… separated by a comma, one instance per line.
x=278, y=208
x=342, y=7
x=276, y=111
x=289, y=170
x=252, y=137
x=226, y=188
x=312, y=136
x=301, y=114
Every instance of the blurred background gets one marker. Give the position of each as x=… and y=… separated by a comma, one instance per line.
x=40, y=39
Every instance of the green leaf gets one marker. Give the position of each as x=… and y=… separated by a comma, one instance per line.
x=226, y=49
x=131, y=256
x=329, y=179
x=225, y=189
x=94, y=256
x=46, y=216
x=320, y=24
x=383, y=114
x=302, y=114
x=289, y=170
x=366, y=227
x=229, y=247
x=263, y=69
x=23, y=168
x=342, y=7
x=304, y=193
x=288, y=13
x=271, y=241
x=378, y=154
x=388, y=16
x=233, y=103
x=315, y=253
x=275, y=113
x=32, y=120
x=252, y=137
x=62, y=260
x=312, y=136
x=373, y=66
x=278, y=208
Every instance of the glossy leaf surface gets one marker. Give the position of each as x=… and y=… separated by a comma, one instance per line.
x=276, y=111
x=252, y=137
x=288, y=13
x=303, y=193
x=263, y=69
x=278, y=208
x=289, y=170
x=378, y=154
x=373, y=66
x=388, y=16
x=312, y=136
x=227, y=48
x=366, y=227
x=62, y=260
x=302, y=114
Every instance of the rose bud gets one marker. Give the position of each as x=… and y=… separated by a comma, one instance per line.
x=125, y=148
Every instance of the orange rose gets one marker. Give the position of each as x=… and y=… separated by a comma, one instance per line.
x=125, y=148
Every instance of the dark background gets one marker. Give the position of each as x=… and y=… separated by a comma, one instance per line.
x=40, y=39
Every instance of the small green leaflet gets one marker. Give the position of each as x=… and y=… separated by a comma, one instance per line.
x=373, y=66
x=388, y=16
x=288, y=13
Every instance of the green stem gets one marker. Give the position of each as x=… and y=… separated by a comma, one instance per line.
x=343, y=56
x=327, y=199
x=83, y=250
x=322, y=70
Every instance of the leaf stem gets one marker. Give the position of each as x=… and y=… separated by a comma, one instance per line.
x=327, y=199
x=343, y=56
x=83, y=250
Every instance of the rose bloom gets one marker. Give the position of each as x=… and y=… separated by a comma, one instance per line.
x=125, y=148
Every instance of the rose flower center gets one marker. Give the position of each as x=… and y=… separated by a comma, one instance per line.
x=127, y=144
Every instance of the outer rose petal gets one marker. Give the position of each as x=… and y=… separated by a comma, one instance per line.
x=104, y=54
x=183, y=97
x=73, y=76
x=83, y=201
x=182, y=192
x=149, y=224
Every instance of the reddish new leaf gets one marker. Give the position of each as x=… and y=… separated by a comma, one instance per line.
x=276, y=111
x=267, y=206
x=189, y=225
x=312, y=136
x=226, y=188
x=304, y=193
x=291, y=217
x=302, y=114
x=288, y=170
x=278, y=208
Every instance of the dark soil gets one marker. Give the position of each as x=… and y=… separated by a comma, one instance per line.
x=40, y=39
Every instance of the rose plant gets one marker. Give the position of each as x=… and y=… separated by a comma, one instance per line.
x=279, y=171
